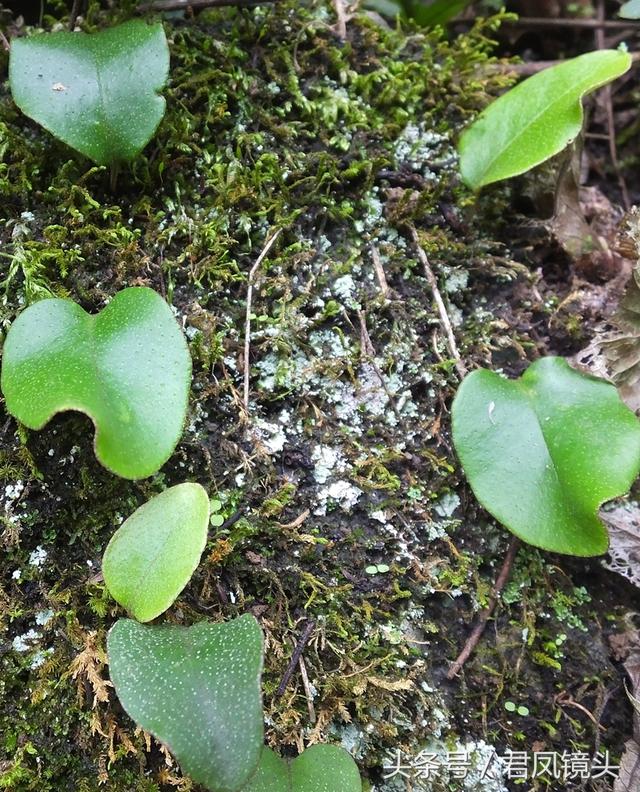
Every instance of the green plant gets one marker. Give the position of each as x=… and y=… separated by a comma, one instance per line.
x=96, y=92
x=197, y=689
x=154, y=553
x=128, y=368
x=535, y=120
x=321, y=768
x=542, y=453
x=426, y=14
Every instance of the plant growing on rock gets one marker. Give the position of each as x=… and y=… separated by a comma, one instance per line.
x=154, y=553
x=128, y=368
x=535, y=120
x=197, y=689
x=321, y=768
x=96, y=92
x=543, y=453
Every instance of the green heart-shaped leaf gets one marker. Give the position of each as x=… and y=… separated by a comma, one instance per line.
x=128, y=368
x=197, y=689
x=321, y=768
x=97, y=92
x=542, y=453
x=535, y=120
x=153, y=554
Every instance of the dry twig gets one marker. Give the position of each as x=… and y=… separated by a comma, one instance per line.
x=341, y=25
x=442, y=310
x=177, y=5
x=247, y=325
x=73, y=16
x=484, y=617
x=611, y=124
x=379, y=270
x=589, y=24
x=307, y=689
x=295, y=658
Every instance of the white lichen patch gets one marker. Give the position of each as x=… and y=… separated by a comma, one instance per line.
x=24, y=642
x=340, y=494
x=38, y=557
x=271, y=435
x=43, y=617
x=328, y=460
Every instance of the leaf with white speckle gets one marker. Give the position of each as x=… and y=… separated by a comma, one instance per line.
x=153, y=554
x=97, y=92
x=321, y=768
x=197, y=690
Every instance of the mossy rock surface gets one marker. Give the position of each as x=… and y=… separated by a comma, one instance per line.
x=342, y=500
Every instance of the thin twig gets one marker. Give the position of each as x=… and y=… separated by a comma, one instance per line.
x=379, y=270
x=5, y=42
x=611, y=124
x=442, y=310
x=247, y=324
x=547, y=22
x=295, y=657
x=341, y=25
x=370, y=353
x=484, y=617
x=527, y=69
x=73, y=16
x=177, y=5
x=307, y=689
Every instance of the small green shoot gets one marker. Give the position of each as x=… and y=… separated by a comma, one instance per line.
x=154, y=553
x=128, y=368
x=197, y=690
x=520, y=709
x=426, y=14
x=216, y=519
x=377, y=569
x=543, y=453
x=321, y=768
x=535, y=120
x=97, y=92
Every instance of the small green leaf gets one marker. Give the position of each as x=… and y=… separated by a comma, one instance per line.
x=535, y=120
x=128, y=368
x=630, y=10
x=321, y=768
x=153, y=554
x=196, y=689
x=438, y=12
x=97, y=92
x=542, y=453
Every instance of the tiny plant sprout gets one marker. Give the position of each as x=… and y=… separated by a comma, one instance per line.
x=197, y=690
x=128, y=368
x=96, y=92
x=543, y=453
x=216, y=519
x=535, y=120
x=321, y=768
x=154, y=553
